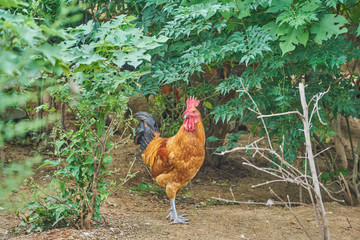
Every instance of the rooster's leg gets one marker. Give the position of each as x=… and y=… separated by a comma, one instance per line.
x=174, y=217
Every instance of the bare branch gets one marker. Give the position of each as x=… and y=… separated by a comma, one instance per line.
x=322, y=151
x=284, y=171
x=316, y=108
x=306, y=122
x=258, y=112
x=347, y=189
x=281, y=114
x=258, y=203
x=252, y=110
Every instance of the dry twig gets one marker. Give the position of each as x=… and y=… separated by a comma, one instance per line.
x=277, y=203
x=285, y=172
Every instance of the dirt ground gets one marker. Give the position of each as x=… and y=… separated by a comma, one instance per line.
x=132, y=214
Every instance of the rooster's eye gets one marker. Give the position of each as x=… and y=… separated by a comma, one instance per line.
x=193, y=111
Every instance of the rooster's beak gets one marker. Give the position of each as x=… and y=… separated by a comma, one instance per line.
x=186, y=115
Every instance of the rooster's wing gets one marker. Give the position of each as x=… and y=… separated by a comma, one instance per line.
x=157, y=156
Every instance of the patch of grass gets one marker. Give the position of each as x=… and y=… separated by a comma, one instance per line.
x=154, y=188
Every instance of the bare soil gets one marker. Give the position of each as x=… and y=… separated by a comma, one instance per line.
x=131, y=214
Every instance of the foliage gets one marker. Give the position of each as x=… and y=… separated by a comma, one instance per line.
x=11, y=180
x=154, y=188
x=105, y=61
x=169, y=110
x=271, y=45
x=84, y=156
x=48, y=12
x=96, y=10
x=212, y=49
x=326, y=176
x=27, y=60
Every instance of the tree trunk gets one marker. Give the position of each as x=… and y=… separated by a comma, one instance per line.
x=339, y=146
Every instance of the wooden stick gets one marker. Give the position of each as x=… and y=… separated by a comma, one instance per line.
x=306, y=122
x=258, y=203
x=347, y=189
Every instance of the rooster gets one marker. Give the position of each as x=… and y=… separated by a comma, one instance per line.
x=173, y=161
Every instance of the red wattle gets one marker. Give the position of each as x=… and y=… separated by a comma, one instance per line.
x=189, y=124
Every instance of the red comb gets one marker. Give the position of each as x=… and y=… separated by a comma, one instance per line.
x=192, y=102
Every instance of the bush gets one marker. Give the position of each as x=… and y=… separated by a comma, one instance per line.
x=26, y=61
x=96, y=88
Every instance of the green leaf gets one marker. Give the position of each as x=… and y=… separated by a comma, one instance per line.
x=278, y=5
x=291, y=37
x=53, y=32
x=271, y=28
x=232, y=144
x=52, y=52
x=208, y=105
x=89, y=59
x=129, y=19
x=244, y=8
x=58, y=145
x=9, y=62
x=329, y=25
x=75, y=171
x=229, y=12
x=192, y=2
x=59, y=211
x=134, y=60
x=107, y=160
x=220, y=149
x=12, y=3
x=234, y=137
x=212, y=139
x=121, y=58
x=162, y=39
x=50, y=162
x=145, y=69
x=89, y=161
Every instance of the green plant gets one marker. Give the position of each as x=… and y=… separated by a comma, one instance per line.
x=95, y=90
x=154, y=188
x=326, y=176
x=271, y=45
x=44, y=209
x=27, y=59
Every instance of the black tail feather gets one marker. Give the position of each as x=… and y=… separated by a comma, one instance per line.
x=145, y=131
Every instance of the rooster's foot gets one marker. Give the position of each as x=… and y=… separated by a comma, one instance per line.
x=174, y=217
x=170, y=216
x=180, y=220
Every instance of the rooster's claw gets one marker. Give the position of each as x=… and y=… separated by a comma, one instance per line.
x=180, y=220
x=174, y=217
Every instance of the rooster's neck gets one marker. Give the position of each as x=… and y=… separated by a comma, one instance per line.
x=197, y=135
